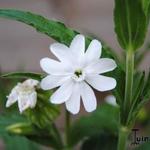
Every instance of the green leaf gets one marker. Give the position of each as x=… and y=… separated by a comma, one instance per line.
x=139, y=79
x=95, y=123
x=19, y=125
x=145, y=146
x=35, y=76
x=138, y=87
x=8, y=119
x=146, y=8
x=142, y=97
x=21, y=128
x=19, y=143
x=120, y=88
x=145, y=95
x=146, y=91
x=47, y=138
x=43, y=136
x=3, y=91
x=54, y=29
x=14, y=142
x=102, y=141
x=130, y=23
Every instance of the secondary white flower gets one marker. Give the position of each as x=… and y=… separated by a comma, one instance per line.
x=25, y=94
x=111, y=99
x=75, y=71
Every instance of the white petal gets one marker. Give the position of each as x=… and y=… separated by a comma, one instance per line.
x=88, y=97
x=63, y=93
x=101, y=66
x=78, y=45
x=27, y=100
x=23, y=102
x=61, y=51
x=12, y=98
x=101, y=83
x=53, y=67
x=94, y=51
x=52, y=81
x=73, y=104
x=32, y=99
x=30, y=82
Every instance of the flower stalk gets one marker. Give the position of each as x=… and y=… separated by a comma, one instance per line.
x=67, y=130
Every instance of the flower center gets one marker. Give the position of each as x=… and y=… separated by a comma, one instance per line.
x=78, y=75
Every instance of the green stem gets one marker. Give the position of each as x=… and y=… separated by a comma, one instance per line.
x=124, y=131
x=57, y=135
x=67, y=130
x=123, y=135
x=129, y=82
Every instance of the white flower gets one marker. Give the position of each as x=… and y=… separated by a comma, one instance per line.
x=76, y=70
x=25, y=94
x=111, y=99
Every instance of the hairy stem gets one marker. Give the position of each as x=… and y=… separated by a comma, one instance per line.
x=129, y=82
x=123, y=135
x=124, y=131
x=67, y=130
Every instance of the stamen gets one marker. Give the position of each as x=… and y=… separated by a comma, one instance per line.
x=78, y=73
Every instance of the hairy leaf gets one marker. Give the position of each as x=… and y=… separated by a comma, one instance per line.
x=146, y=92
x=146, y=8
x=119, y=75
x=139, y=79
x=35, y=76
x=143, y=97
x=53, y=29
x=130, y=23
x=138, y=87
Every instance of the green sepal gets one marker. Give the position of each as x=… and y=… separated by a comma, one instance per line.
x=44, y=112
